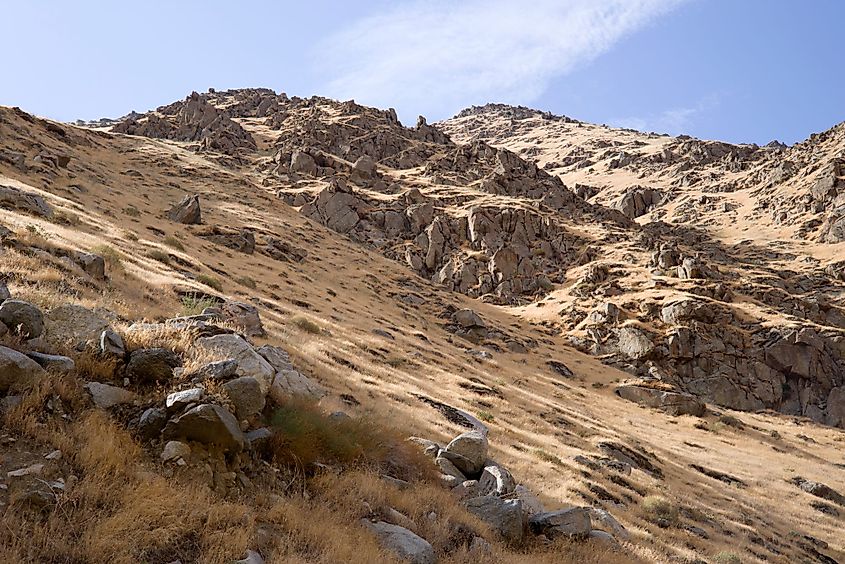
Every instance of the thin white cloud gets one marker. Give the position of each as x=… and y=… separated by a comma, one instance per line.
x=434, y=57
x=674, y=121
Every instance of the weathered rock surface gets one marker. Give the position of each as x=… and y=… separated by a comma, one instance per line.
x=187, y=211
x=673, y=403
x=22, y=318
x=407, y=545
x=17, y=371
x=208, y=424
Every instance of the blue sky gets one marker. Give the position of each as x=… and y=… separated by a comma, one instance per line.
x=738, y=70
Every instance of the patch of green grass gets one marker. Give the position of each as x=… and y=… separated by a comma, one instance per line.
x=193, y=304
x=305, y=324
x=159, y=255
x=132, y=211
x=210, y=281
x=486, y=416
x=173, y=242
x=246, y=281
x=548, y=457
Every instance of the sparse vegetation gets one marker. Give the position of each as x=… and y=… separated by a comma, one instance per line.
x=132, y=211
x=726, y=557
x=486, y=416
x=113, y=258
x=548, y=457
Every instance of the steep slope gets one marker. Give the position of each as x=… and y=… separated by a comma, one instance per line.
x=389, y=344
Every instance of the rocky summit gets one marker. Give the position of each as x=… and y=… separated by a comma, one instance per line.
x=252, y=327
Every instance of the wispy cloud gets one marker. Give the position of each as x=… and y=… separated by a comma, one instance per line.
x=674, y=121
x=436, y=56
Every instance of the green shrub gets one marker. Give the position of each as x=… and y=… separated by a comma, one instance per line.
x=486, y=416
x=246, y=281
x=132, y=211
x=726, y=557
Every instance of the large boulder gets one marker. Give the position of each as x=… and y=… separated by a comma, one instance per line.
x=496, y=479
x=572, y=522
x=17, y=371
x=407, y=545
x=303, y=163
x=468, y=452
x=93, y=265
x=187, y=211
x=634, y=343
x=208, y=424
x=505, y=516
x=105, y=396
x=250, y=363
x=673, y=403
x=22, y=318
x=148, y=366
x=53, y=362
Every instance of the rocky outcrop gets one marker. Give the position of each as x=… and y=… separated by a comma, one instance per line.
x=186, y=211
x=15, y=198
x=17, y=371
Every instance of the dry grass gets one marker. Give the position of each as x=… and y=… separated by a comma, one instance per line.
x=306, y=325
x=210, y=281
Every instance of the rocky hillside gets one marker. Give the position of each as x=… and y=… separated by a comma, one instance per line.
x=258, y=328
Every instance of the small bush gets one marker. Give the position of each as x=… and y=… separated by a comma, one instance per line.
x=130, y=236
x=194, y=305
x=305, y=324
x=660, y=510
x=246, y=281
x=159, y=255
x=132, y=211
x=210, y=281
x=173, y=242
x=66, y=218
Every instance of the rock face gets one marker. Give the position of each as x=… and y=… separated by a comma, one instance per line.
x=17, y=371
x=106, y=396
x=208, y=424
x=574, y=522
x=193, y=119
x=73, y=324
x=187, y=211
x=250, y=363
x=148, y=366
x=22, y=318
x=407, y=545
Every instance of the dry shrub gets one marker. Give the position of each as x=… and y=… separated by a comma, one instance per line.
x=657, y=508
x=158, y=336
x=305, y=324
x=305, y=435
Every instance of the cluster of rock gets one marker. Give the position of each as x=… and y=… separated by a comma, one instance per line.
x=490, y=492
x=193, y=119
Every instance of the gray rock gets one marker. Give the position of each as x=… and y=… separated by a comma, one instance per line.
x=258, y=438
x=634, y=343
x=250, y=363
x=563, y=522
x=187, y=211
x=468, y=452
x=148, y=366
x=22, y=318
x=246, y=396
x=208, y=424
x=53, y=362
x=111, y=344
x=504, y=516
x=5, y=294
x=405, y=544
x=304, y=163
x=288, y=381
x=609, y=522
x=18, y=372
x=449, y=469
x=106, y=396
x=251, y=557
